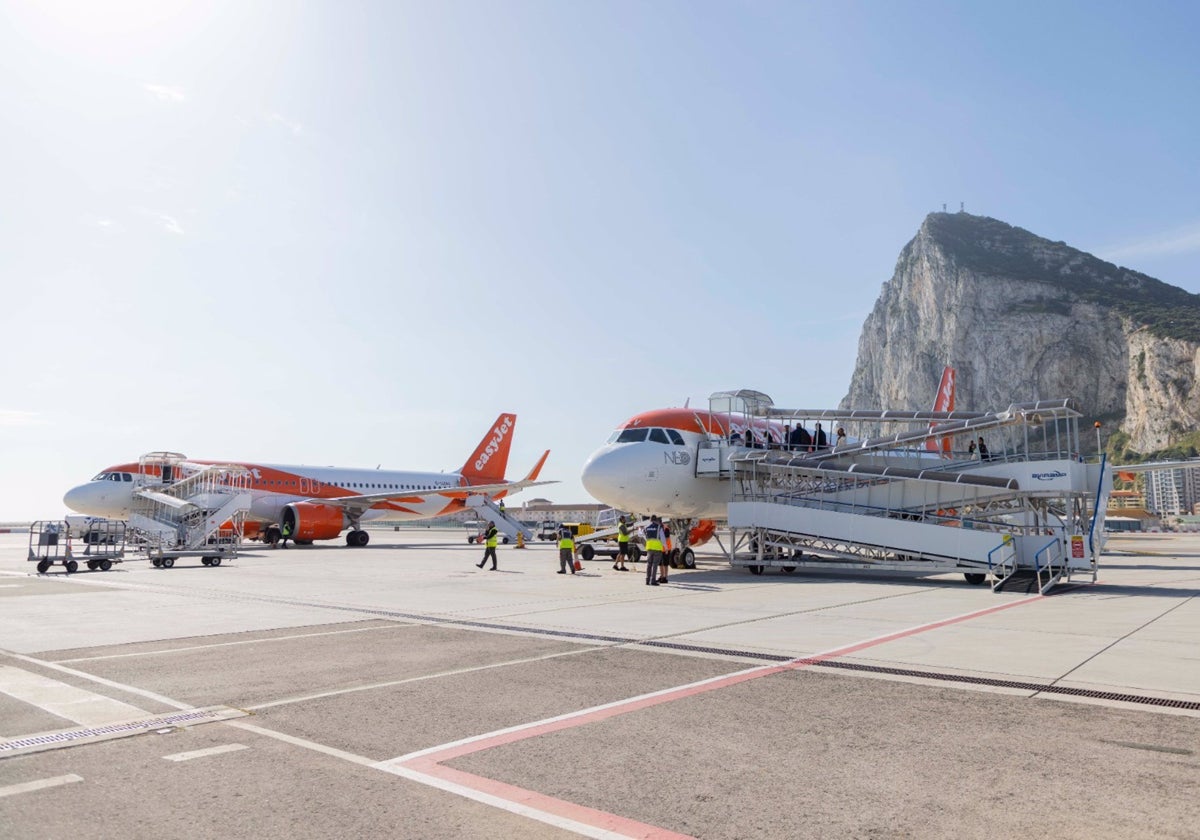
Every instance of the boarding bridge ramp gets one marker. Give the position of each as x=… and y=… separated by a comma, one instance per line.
x=506, y=524
x=888, y=505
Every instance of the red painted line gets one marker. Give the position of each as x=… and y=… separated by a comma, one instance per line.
x=432, y=763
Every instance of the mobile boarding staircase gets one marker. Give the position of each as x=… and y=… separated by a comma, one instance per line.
x=1028, y=517
x=182, y=509
x=508, y=525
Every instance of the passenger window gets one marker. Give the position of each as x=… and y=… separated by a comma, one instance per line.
x=675, y=437
x=631, y=436
x=658, y=436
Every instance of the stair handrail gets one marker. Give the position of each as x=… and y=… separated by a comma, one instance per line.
x=1008, y=561
x=1051, y=576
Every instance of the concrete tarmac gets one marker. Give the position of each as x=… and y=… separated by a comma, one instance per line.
x=398, y=690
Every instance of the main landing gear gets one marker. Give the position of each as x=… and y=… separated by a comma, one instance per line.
x=357, y=538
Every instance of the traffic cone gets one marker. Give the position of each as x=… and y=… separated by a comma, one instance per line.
x=520, y=539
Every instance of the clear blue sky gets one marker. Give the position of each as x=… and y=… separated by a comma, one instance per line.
x=353, y=233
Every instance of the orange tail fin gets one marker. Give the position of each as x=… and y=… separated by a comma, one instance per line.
x=490, y=459
x=943, y=402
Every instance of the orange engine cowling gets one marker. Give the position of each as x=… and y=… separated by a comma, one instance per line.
x=702, y=532
x=310, y=521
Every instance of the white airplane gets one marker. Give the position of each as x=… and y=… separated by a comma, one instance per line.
x=320, y=502
x=648, y=465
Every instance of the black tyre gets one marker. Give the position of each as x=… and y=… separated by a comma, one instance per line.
x=363, y=538
x=105, y=565
x=635, y=553
x=587, y=552
x=470, y=541
x=72, y=567
x=505, y=540
x=215, y=561
x=974, y=578
x=157, y=562
x=205, y=560
x=688, y=558
x=42, y=566
x=755, y=570
x=673, y=558
x=787, y=570
x=91, y=564
x=168, y=562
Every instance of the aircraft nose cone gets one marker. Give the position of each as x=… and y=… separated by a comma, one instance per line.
x=604, y=478
x=76, y=498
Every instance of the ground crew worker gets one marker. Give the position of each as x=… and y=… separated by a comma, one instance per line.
x=654, y=549
x=622, y=545
x=285, y=533
x=490, y=540
x=566, y=551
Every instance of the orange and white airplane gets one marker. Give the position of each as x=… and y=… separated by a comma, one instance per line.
x=649, y=464
x=320, y=502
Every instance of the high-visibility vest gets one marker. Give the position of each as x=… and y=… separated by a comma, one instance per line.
x=654, y=537
x=491, y=538
x=622, y=533
x=566, y=542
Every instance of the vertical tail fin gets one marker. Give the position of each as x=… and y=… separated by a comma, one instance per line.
x=943, y=402
x=490, y=459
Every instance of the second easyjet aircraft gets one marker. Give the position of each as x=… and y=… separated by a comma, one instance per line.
x=320, y=502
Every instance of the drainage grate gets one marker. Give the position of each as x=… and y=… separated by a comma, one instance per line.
x=115, y=729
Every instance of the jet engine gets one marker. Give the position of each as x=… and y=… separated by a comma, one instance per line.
x=702, y=532
x=312, y=521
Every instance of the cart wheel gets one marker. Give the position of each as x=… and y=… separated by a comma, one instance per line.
x=168, y=562
x=635, y=552
x=157, y=561
x=105, y=565
x=755, y=570
x=205, y=560
x=587, y=553
x=72, y=567
x=214, y=561
x=787, y=570
x=974, y=578
x=42, y=566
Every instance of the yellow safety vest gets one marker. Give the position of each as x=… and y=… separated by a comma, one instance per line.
x=566, y=542
x=654, y=543
x=623, y=534
x=491, y=538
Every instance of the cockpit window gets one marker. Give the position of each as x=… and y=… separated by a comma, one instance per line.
x=101, y=477
x=114, y=476
x=658, y=436
x=630, y=436
x=675, y=437
x=126, y=477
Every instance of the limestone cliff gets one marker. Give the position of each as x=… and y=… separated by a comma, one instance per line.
x=1023, y=318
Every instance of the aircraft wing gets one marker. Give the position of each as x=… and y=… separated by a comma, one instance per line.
x=369, y=500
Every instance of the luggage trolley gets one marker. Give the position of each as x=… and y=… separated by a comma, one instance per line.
x=50, y=542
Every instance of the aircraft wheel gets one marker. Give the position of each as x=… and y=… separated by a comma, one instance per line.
x=587, y=553
x=214, y=561
x=168, y=562
x=72, y=567
x=42, y=566
x=688, y=558
x=105, y=565
x=673, y=558
x=755, y=570
x=974, y=578
x=787, y=570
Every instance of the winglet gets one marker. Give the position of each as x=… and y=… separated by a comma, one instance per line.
x=490, y=459
x=943, y=402
x=537, y=468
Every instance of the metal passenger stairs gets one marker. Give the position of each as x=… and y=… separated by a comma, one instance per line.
x=200, y=513
x=1026, y=517
x=505, y=524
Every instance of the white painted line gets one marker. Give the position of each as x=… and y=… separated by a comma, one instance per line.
x=40, y=784
x=11, y=585
x=393, y=683
x=66, y=701
x=188, y=756
x=302, y=742
x=190, y=648
x=141, y=692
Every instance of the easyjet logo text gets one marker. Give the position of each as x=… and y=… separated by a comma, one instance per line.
x=493, y=445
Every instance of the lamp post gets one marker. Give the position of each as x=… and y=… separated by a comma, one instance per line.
x=1097, y=425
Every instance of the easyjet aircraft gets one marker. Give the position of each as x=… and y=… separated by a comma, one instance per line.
x=320, y=502
x=649, y=463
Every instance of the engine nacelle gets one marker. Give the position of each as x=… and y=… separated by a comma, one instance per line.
x=312, y=521
x=702, y=532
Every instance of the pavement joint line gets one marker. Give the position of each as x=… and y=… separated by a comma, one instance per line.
x=190, y=648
